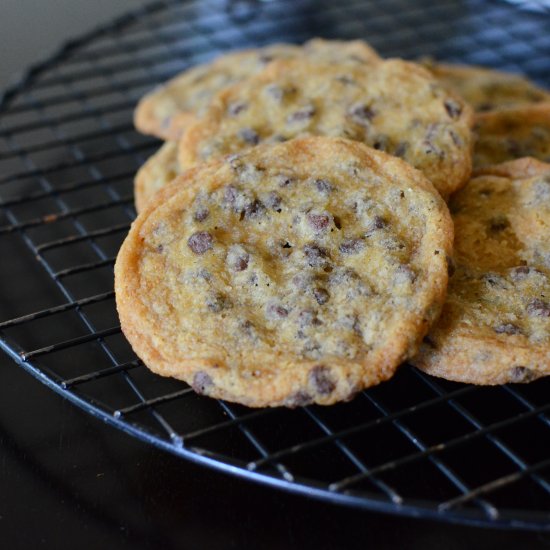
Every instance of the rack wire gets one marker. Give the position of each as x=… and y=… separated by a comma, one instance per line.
x=68, y=152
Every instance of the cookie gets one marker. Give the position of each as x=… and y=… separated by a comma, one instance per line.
x=159, y=170
x=495, y=325
x=340, y=51
x=394, y=106
x=169, y=109
x=163, y=166
x=511, y=134
x=291, y=274
x=487, y=89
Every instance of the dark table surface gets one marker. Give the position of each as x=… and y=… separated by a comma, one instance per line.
x=69, y=481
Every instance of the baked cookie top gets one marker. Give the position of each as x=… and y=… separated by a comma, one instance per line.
x=158, y=171
x=495, y=325
x=291, y=274
x=169, y=109
x=511, y=134
x=487, y=89
x=394, y=106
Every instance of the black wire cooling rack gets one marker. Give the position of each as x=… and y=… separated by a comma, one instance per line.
x=68, y=152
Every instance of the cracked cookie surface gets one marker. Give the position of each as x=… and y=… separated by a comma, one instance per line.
x=290, y=274
x=393, y=106
x=495, y=325
x=169, y=109
x=487, y=89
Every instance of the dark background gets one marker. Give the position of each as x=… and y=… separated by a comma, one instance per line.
x=67, y=480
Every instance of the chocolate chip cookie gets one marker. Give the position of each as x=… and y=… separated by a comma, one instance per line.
x=511, y=134
x=159, y=170
x=169, y=109
x=487, y=89
x=290, y=274
x=495, y=325
x=392, y=106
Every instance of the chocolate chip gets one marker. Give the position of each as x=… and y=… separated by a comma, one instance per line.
x=204, y=274
x=494, y=280
x=377, y=223
x=401, y=149
x=428, y=143
x=321, y=379
x=254, y=209
x=217, y=302
x=507, y=328
x=323, y=186
x=321, y=295
x=498, y=223
x=453, y=108
x=273, y=200
x=200, y=242
x=380, y=142
x=202, y=382
x=345, y=79
x=391, y=243
x=201, y=214
x=350, y=322
x=160, y=248
x=361, y=113
x=284, y=181
x=248, y=328
x=538, y=308
x=241, y=263
x=319, y=222
x=299, y=399
x=457, y=140
x=520, y=273
x=351, y=246
x=230, y=194
x=276, y=311
x=236, y=107
x=315, y=255
x=307, y=318
x=521, y=374
x=305, y=113
x=429, y=342
x=249, y=136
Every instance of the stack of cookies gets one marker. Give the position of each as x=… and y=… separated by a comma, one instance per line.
x=294, y=243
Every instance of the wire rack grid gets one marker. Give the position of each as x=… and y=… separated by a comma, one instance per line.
x=68, y=152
